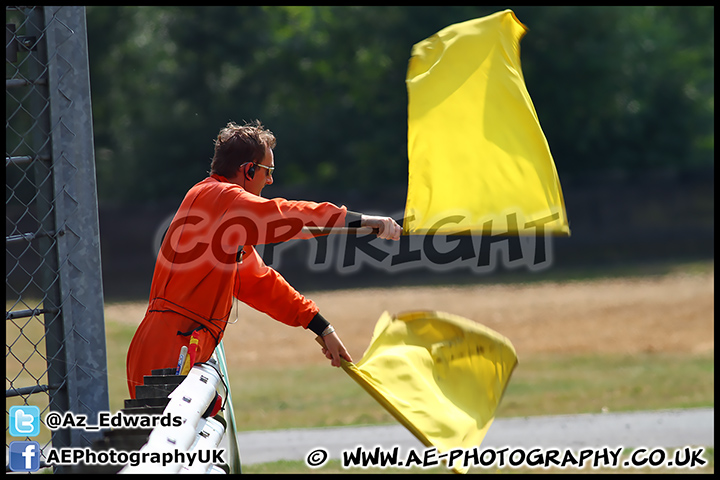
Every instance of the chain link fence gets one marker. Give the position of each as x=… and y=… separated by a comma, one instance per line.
x=55, y=356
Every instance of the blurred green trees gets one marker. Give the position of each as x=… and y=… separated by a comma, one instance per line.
x=615, y=88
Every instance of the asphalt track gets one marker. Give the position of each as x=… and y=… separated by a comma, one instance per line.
x=664, y=428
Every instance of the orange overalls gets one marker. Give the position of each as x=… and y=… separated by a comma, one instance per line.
x=206, y=257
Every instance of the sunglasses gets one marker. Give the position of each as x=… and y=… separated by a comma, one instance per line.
x=270, y=170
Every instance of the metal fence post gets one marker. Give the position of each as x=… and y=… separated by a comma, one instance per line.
x=54, y=294
x=76, y=215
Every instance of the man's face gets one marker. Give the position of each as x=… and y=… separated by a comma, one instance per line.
x=262, y=175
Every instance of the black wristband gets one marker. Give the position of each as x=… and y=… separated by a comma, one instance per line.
x=353, y=219
x=318, y=324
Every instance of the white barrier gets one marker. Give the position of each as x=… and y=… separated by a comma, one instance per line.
x=209, y=435
x=188, y=402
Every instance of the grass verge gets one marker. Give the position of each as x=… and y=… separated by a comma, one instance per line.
x=319, y=396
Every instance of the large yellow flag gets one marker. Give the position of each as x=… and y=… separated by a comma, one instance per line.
x=478, y=159
x=440, y=375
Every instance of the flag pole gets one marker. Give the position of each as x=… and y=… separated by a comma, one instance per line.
x=317, y=231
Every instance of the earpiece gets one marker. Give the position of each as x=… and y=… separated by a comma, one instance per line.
x=250, y=173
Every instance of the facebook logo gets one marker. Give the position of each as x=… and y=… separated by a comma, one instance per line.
x=24, y=421
x=24, y=456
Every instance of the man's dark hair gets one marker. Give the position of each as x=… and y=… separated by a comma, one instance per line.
x=236, y=145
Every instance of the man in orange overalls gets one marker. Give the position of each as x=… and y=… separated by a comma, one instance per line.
x=208, y=256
